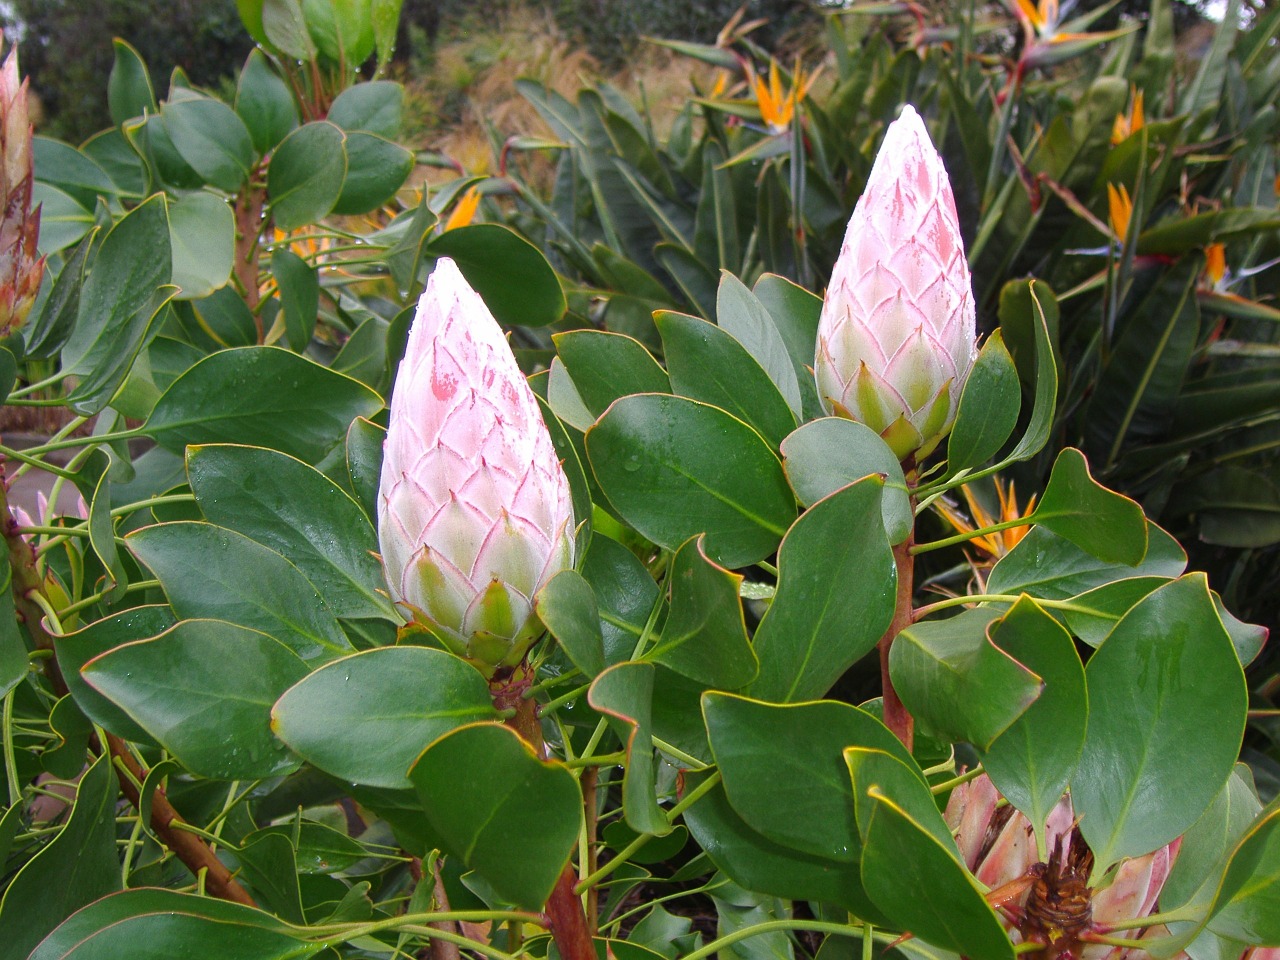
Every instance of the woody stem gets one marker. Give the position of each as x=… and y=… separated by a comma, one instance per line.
x=564, y=913
x=896, y=717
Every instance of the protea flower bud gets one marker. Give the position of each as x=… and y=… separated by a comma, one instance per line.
x=1049, y=901
x=896, y=337
x=474, y=511
x=20, y=267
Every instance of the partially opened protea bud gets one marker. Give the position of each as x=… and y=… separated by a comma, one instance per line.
x=20, y=267
x=474, y=511
x=1049, y=901
x=896, y=337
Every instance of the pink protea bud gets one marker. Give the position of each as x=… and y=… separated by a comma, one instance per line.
x=1049, y=901
x=474, y=510
x=896, y=337
x=20, y=267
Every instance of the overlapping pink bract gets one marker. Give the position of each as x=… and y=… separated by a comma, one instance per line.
x=1000, y=852
x=896, y=336
x=474, y=510
x=21, y=267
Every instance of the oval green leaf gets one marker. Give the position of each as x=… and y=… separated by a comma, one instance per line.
x=298, y=512
x=305, y=176
x=510, y=816
x=837, y=586
x=209, y=572
x=512, y=276
x=366, y=718
x=1166, y=694
x=651, y=453
x=263, y=396
x=204, y=690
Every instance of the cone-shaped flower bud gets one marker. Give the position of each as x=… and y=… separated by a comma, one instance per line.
x=474, y=511
x=20, y=267
x=1049, y=901
x=896, y=337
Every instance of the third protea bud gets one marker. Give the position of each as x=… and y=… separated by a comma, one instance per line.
x=20, y=267
x=474, y=510
x=896, y=337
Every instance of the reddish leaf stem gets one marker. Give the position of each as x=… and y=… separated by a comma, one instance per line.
x=896, y=717
x=564, y=913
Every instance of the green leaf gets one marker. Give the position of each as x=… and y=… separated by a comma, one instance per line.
x=124, y=292
x=262, y=396
x=320, y=848
x=285, y=26
x=1166, y=693
x=375, y=107
x=1094, y=614
x=71, y=171
x=264, y=103
x=570, y=461
x=705, y=636
x=567, y=607
x=1134, y=394
x=624, y=594
x=624, y=693
x=829, y=453
x=706, y=363
x=1029, y=323
x=202, y=235
x=268, y=863
x=212, y=139
x=989, y=406
x=364, y=463
x=385, y=15
x=102, y=538
x=795, y=312
x=209, y=572
x=13, y=651
x=837, y=587
x=651, y=451
x=78, y=648
x=605, y=366
x=956, y=682
x=694, y=278
x=1247, y=906
x=1075, y=506
x=757, y=863
x=341, y=29
x=129, y=92
x=1032, y=761
x=299, y=286
x=1207, y=846
x=366, y=717
x=305, y=176
x=62, y=220
x=298, y=512
x=512, y=276
x=901, y=858
x=76, y=867
x=1046, y=565
x=508, y=815
x=151, y=924
x=50, y=328
x=204, y=690
x=784, y=770
x=744, y=317
x=376, y=169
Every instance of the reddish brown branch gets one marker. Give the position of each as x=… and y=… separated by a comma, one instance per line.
x=896, y=717
x=564, y=911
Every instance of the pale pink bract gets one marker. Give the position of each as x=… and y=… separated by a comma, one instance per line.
x=998, y=845
x=896, y=338
x=474, y=510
